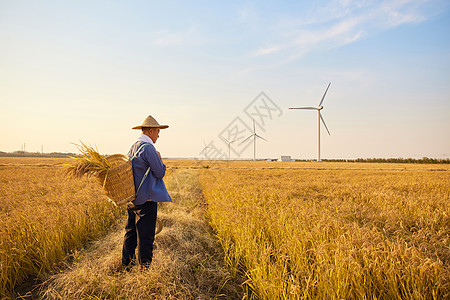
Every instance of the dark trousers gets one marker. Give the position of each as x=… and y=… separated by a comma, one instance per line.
x=140, y=233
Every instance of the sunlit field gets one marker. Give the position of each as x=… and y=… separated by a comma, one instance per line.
x=334, y=230
x=188, y=262
x=43, y=217
x=68, y=237
x=294, y=230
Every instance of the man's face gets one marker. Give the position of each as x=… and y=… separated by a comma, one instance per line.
x=153, y=133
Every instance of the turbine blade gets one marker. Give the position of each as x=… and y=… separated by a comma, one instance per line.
x=226, y=140
x=254, y=130
x=246, y=139
x=320, y=115
x=261, y=137
x=314, y=108
x=324, y=94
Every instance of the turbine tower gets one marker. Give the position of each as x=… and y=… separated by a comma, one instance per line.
x=319, y=118
x=229, y=143
x=254, y=135
x=205, y=150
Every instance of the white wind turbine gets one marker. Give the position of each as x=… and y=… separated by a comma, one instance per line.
x=205, y=150
x=229, y=143
x=319, y=118
x=254, y=135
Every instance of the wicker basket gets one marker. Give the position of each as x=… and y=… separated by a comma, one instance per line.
x=118, y=182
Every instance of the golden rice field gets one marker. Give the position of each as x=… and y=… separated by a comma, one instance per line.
x=338, y=231
x=63, y=239
x=287, y=231
x=43, y=217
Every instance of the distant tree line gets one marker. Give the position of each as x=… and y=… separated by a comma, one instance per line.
x=423, y=160
x=34, y=154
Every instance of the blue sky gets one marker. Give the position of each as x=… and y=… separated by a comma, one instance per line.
x=91, y=70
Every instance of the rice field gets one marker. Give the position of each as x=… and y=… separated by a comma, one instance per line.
x=43, y=217
x=68, y=237
x=277, y=231
x=340, y=231
x=187, y=264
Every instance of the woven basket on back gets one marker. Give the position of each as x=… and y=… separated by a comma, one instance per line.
x=118, y=182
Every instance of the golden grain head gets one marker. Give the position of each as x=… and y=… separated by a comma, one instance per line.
x=89, y=163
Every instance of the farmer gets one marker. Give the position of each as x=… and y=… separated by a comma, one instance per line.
x=141, y=223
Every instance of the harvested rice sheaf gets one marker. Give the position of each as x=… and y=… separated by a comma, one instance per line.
x=89, y=163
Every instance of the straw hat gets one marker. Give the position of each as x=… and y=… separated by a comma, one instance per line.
x=150, y=122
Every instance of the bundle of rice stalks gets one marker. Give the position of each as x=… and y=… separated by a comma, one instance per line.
x=89, y=163
x=114, y=172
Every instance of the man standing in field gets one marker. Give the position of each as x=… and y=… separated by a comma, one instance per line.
x=148, y=173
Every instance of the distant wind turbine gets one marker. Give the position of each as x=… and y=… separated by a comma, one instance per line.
x=319, y=118
x=229, y=142
x=254, y=135
x=205, y=150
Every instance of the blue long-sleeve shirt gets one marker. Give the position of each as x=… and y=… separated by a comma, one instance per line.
x=152, y=187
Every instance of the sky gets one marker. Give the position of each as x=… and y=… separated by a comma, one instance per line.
x=89, y=71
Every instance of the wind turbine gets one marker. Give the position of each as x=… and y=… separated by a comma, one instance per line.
x=205, y=150
x=254, y=135
x=228, y=142
x=319, y=118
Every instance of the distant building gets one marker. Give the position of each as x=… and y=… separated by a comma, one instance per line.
x=285, y=158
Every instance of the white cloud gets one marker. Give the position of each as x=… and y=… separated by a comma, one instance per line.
x=337, y=32
x=268, y=50
x=395, y=13
x=166, y=38
x=342, y=22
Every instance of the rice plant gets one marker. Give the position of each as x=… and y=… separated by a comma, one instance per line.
x=334, y=234
x=89, y=163
x=43, y=218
